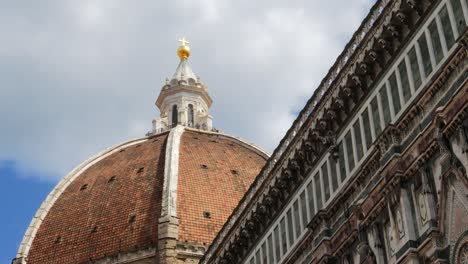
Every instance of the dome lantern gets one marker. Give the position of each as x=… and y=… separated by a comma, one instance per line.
x=183, y=99
x=143, y=201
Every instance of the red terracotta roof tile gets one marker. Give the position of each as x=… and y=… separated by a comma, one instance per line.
x=118, y=211
x=94, y=222
x=214, y=189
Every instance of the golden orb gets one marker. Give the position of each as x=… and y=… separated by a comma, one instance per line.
x=183, y=52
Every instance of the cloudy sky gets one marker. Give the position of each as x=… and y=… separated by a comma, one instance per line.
x=79, y=76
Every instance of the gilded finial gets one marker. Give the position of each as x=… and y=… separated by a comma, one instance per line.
x=183, y=51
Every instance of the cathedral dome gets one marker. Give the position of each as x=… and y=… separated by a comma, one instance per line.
x=115, y=204
x=158, y=199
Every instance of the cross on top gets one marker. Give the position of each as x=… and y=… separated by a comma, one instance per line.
x=184, y=41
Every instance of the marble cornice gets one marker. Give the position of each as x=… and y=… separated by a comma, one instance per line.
x=324, y=115
x=401, y=168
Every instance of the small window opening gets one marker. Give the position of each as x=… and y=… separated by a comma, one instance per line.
x=94, y=229
x=84, y=187
x=111, y=179
x=203, y=166
x=206, y=214
x=175, y=115
x=195, y=138
x=132, y=219
x=191, y=119
x=235, y=172
x=140, y=170
x=58, y=239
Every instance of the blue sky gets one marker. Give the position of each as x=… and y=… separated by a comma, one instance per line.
x=77, y=77
x=20, y=196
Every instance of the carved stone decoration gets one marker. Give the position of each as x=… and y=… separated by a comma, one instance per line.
x=394, y=196
x=334, y=151
x=402, y=17
x=383, y=44
x=366, y=255
x=245, y=234
x=331, y=114
x=399, y=224
x=322, y=124
x=422, y=207
x=268, y=200
x=375, y=234
x=313, y=145
x=415, y=6
x=262, y=210
x=383, y=144
x=288, y=175
x=250, y=225
x=316, y=136
x=297, y=169
x=391, y=240
x=464, y=41
x=363, y=249
x=229, y=257
x=393, y=31
x=463, y=254
x=331, y=139
x=338, y=103
x=275, y=192
x=304, y=162
x=446, y=150
x=464, y=131
x=426, y=188
x=441, y=139
x=283, y=184
x=374, y=57
x=364, y=68
x=308, y=150
x=357, y=81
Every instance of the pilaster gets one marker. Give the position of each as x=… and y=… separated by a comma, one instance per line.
x=168, y=226
x=168, y=233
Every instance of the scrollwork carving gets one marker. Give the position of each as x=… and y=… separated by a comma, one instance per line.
x=402, y=17
x=383, y=44
x=444, y=144
x=414, y=5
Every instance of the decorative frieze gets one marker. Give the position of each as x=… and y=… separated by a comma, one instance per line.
x=394, y=29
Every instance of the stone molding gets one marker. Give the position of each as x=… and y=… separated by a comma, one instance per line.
x=190, y=250
x=166, y=92
x=403, y=168
x=133, y=257
x=381, y=36
x=171, y=172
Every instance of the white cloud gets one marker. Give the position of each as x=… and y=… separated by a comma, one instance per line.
x=79, y=76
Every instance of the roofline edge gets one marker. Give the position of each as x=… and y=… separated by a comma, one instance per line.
x=26, y=242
